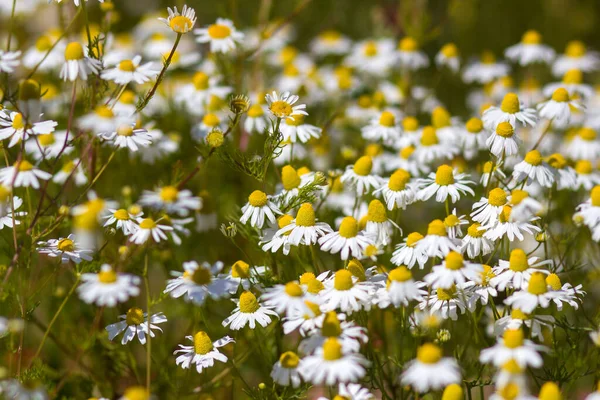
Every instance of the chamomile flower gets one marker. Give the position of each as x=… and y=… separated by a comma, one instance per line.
x=481, y=287
x=285, y=371
x=511, y=226
x=203, y=353
x=516, y=272
x=136, y=323
x=8, y=212
x=437, y=243
x=576, y=56
x=473, y=138
x=123, y=219
x=536, y=323
x=446, y=302
x=198, y=282
x=221, y=35
x=102, y=119
x=108, y=287
x=65, y=248
x=272, y=242
x=127, y=71
x=444, y=183
x=378, y=224
x=573, y=82
x=485, y=70
x=374, y=57
x=383, y=128
x=359, y=176
x=282, y=105
x=330, y=42
x=400, y=289
x=296, y=130
x=587, y=177
x=180, y=23
x=330, y=365
x=503, y=140
x=448, y=56
x=530, y=50
x=147, y=228
x=534, y=294
x=23, y=174
x=453, y=224
x=172, y=200
x=398, y=191
x=511, y=110
x=408, y=253
x=258, y=207
x=559, y=108
x=584, y=145
x=430, y=370
x=348, y=241
x=286, y=299
x=432, y=149
x=304, y=229
x=345, y=292
x=409, y=55
x=566, y=293
x=350, y=335
x=453, y=271
x=9, y=60
x=16, y=127
x=255, y=119
x=48, y=146
x=513, y=346
x=475, y=243
x=78, y=64
x=127, y=136
x=534, y=169
x=249, y=312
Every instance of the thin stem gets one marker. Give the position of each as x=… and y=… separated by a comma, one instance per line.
x=149, y=347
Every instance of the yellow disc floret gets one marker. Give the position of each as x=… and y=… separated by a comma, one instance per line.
x=248, y=303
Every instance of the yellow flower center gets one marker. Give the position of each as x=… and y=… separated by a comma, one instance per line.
x=136, y=393
x=550, y=391
x=125, y=130
x=46, y=139
x=513, y=338
x=505, y=214
x=104, y=112
x=289, y=177
x=531, y=37
x=553, y=281
x=66, y=244
x=408, y=44
x=429, y=353
x=429, y=136
x=181, y=24
x=497, y=197
x=533, y=157
x=107, y=276
x=474, y=230
x=518, y=260
x=281, y=108
x=313, y=285
x=487, y=57
x=387, y=119
x=121, y=214
x=127, y=66
x=343, y=280
x=584, y=167
x=537, y=284
x=331, y=325
x=505, y=130
x=414, y=237
x=200, y=276
x=284, y=220
x=575, y=49
x=258, y=199
x=453, y=392
x=200, y=80
x=363, y=166
x=18, y=122
x=437, y=228
x=370, y=49
x=440, y=117
x=512, y=367
x=255, y=111
x=450, y=50
x=444, y=175
x=134, y=316
x=357, y=270
x=248, y=303
x=169, y=194
x=557, y=161
x=314, y=308
x=202, y=343
x=510, y=103
x=573, y=76
x=289, y=360
x=128, y=97
x=451, y=221
x=398, y=180
x=587, y=134
x=595, y=196
x=74, y=51
x=410, y=124
x=518, y=314
x=454, y=261
x=486, y=275
x=210, y=120
x=332, y=349
x=43, y=44
x=293, y=289
x=240, y=269
x=517, y=196
x=219, y=31
x=296, y=121
x=4, y=193
x=24, y=166
x=147, y=223
x=406, y=152
x=306, y=215
x=446, y=294
x=474, y=125
x=400, y=274
x=376, y=212
x=510, y=391
x=560, y=95
x=348, y=227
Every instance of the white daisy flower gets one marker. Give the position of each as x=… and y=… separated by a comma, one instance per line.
x=360, y=177
x=558, y=108
x=432, y=149
x=127, y=71
x=124, y=219
x=374, y=57
x=136, y=323
x=576, y=56
x=286, y=371
x=409, y=55
x=282, y=105
x=398, y=191
x=487, y=210
x=473, y=138
x=249, y=312
x=430, y=370
x=503, y=140
x=272, y=242
x=453, y=271
x=437, y=243
x=513, y=346
x=407, y=253
x=511, y=110
x=41, y=53
x=304, y=229
x=199, y=282
x=509, y=225
x=203, y=352
x=573, y=82
x=383, y=128
x=535, y=294
x=221, y=35
x=350, y=335
x=446, y=302
x=180, y=23
x=50, y=145
x=566, y=177
x=448, y=56
x=587, y=177
x=329, y=365
x=286, y=299
x=517, y=318
x=9, y=60
x=330, y=42
x=107, y=287
x=481, y=288
x=534, y=169
x=258, y=207
x=23, y=174
x=102, y=119
x=16, y=127
x=453, y=224
x=584, y=145
x=348, y=241
x=9, y=213
x=485, y=70
x=171, y=200
x=516, y=272
x=400, y=289
x=65, y=248
x=474, y=242
x=256, y=120
x=530, y=50
x=147, y=228
x=295, y=129
x=126, y=136
x=346, y=292
x=78, y=64
x=564, y=293
x=524, y=207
